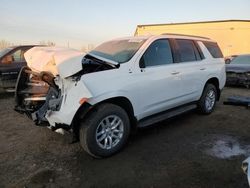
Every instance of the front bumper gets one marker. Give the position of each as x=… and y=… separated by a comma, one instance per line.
x=51, y=103
x=34, y=96
x=238, y=79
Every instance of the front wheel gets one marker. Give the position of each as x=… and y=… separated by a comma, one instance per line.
x=105, y=131
x=207, y=102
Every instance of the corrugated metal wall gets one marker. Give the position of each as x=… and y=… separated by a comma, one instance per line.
x=233, y=36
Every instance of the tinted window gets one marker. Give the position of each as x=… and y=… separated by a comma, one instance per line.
x=213, y=49
x=5, y=51
x=158, y=53
x=198, y=52
x=187, y=50
x=18, y=56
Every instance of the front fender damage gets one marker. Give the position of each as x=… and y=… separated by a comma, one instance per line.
x=52, y=102
x=51, y=90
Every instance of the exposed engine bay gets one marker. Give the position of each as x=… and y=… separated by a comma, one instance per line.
x=39, y=93
x=91, y=64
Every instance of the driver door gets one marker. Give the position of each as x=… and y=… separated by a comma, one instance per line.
x=10, y=66
x=159, y=81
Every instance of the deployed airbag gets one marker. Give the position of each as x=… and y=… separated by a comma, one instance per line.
x=59, y=61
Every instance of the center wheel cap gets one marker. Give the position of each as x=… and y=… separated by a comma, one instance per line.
x=109, y=132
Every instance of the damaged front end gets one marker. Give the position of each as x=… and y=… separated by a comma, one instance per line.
x=52, y=100
x=36, y=93
x=238, y=78
x=51, y=89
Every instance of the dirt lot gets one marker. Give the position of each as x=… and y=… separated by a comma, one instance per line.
x=188, y=151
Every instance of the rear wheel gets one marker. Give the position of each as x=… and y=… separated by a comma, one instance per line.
x=105, y=131
x=207, y=102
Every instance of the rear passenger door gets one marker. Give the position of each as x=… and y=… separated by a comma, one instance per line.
x=158, y=82
x=192, y=68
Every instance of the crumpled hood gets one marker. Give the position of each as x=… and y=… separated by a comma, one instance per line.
x=240, y=68
x=59, y=61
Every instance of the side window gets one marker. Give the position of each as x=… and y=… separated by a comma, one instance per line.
x=187, y=50
x=213, y=49
x=158, y=53
x=18, y=56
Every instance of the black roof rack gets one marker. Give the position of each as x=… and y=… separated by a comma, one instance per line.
x=178, y=34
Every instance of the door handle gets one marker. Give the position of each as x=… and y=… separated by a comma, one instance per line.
x=175, y=73
x=203, y=68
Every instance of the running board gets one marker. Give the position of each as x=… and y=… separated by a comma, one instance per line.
x=165, y=115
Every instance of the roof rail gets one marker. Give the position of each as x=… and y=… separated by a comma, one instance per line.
x=178, y=34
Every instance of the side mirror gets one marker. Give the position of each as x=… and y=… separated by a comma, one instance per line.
x=142, y=63
x=228, y=61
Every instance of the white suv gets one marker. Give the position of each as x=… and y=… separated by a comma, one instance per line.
x=122, y=84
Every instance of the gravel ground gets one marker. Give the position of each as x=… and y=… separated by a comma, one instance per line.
x=188, y=151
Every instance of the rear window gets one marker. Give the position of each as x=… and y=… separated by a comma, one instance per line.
x=213, y=49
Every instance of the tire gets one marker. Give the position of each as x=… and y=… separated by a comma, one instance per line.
x=97, y=132
x=208, y=99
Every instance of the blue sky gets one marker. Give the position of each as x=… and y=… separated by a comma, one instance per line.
x=82, y=22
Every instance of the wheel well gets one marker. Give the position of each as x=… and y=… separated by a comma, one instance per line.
x=86, y=108
x=124, y=103
x=215, y=82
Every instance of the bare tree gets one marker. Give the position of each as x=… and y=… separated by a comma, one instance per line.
x=84, y=49
x=47, y=43
x=87, y=48
x=90, y=47
x=4, y=44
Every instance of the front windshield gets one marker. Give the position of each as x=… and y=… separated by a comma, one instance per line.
x=4, y=51
x=243, y=59
x=119, y=51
